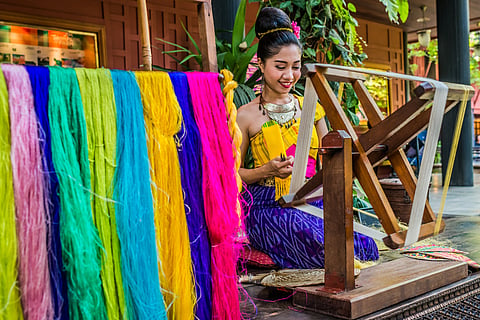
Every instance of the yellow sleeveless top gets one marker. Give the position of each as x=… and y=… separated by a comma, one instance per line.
x=289, y=136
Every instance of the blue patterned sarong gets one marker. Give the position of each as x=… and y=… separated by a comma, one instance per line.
x=293, y=238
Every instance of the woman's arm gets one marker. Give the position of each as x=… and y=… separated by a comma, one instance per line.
x=274, y=168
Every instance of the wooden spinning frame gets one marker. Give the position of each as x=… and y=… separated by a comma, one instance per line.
x=383, y=140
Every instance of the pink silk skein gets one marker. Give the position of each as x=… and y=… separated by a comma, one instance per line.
x=29, y=196
x=219, y=189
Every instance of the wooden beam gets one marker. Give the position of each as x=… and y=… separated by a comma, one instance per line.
x=332, y=74
x=384, y=128
x=455, y=91
x=207, y=36
x=361, y=164
x=397, y=240
x=338, y=212
x=380, y=131
x=144, y=34
x=402, y=137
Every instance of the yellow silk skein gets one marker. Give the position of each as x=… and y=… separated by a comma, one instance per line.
x=163, y=120
x=228, y=86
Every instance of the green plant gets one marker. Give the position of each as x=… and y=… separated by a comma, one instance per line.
x=430, y=53
x=378, y=88
x=474, y=59
x=236, y=56
x=196, y=55
x=396, y=9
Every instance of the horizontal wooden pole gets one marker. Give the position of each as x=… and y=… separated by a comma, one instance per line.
x=397, y=240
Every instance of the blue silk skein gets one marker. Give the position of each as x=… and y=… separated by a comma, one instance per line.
x=40, y=80
x=134, y=204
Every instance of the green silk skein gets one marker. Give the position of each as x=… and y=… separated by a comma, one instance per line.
x=81, y=245
x=96, y=88
x=10, y=304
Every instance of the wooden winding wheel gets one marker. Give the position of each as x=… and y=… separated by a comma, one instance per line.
x=347, y=154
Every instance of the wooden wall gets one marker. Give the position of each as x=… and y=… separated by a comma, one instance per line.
x=115, y=22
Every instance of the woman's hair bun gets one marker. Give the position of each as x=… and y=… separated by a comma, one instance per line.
x=271, y=18
x=274, y=31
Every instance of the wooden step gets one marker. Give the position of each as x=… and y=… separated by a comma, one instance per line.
x=382, y=286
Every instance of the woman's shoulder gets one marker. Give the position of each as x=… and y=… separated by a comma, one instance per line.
x=248, y=109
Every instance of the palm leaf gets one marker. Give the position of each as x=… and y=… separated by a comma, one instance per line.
x=238, y=27
x=243, y=62
x=250, y=35
x=252, y=81
x=190, y=56
x=191, y=39
x=172, y=44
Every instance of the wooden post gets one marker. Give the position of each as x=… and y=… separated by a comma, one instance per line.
x=338, y=212
x=207, y=35
x=144, y=34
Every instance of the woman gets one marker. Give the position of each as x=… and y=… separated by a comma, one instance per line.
x=269, y=125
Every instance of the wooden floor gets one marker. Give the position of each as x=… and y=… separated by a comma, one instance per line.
x=382, y=286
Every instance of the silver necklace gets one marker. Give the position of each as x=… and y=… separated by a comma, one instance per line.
x=280, y=113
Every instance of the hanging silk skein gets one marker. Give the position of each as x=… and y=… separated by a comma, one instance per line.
x=163, y=119
x=80, y=241
x=96, y=89
x=133, y=204
x=190, y=156
x=10, y=305
x=30, y=201
x=219, y=189
x=40, y=80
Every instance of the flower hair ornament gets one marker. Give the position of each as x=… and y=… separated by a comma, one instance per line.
x=296, y=29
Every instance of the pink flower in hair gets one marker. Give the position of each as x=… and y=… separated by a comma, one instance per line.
x=296, y=29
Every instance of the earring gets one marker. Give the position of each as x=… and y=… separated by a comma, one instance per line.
x=260, y=103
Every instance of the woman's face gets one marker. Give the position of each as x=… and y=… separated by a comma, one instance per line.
x=282, y=71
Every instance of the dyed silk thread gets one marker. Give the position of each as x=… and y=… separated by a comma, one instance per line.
x=133, y=204
x=10, y=304
x=40, y=80
x=163, y=119
x=190, y=156
x=229, y=85
x=80, y=241
x=219, y=189
x=96, y=89
x=30, y=201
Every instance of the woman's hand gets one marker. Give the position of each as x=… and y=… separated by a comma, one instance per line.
x=278, y=167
